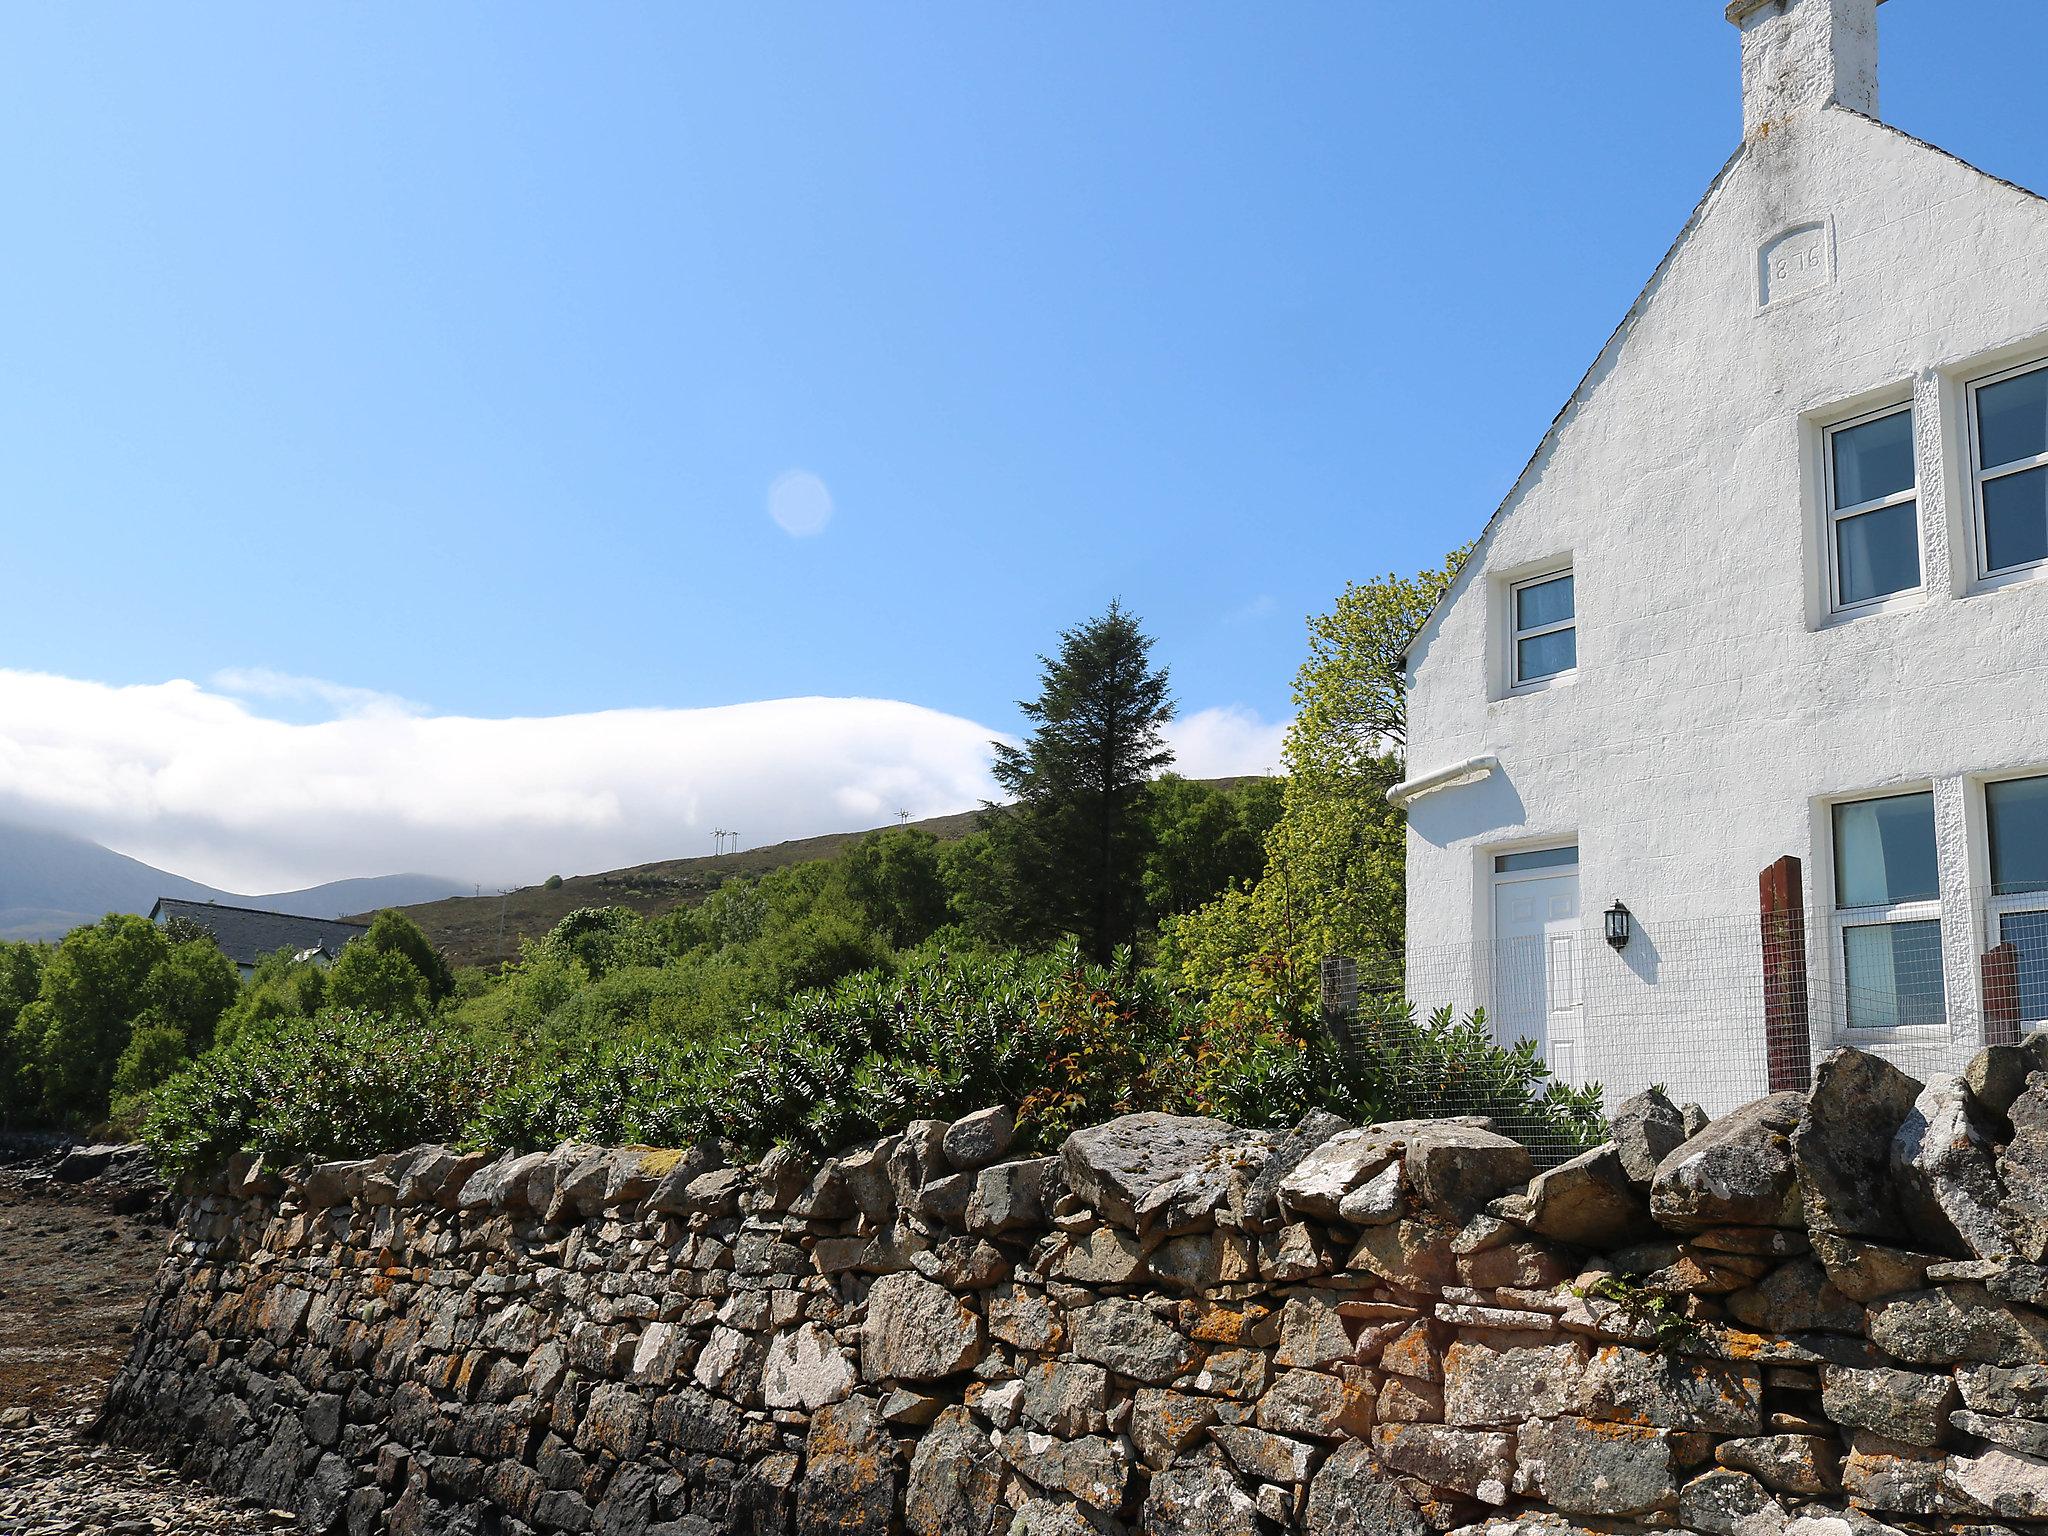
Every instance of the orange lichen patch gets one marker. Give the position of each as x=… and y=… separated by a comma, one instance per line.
x=1227, y=1325
x=1632, y=1432
x=1746, y=1346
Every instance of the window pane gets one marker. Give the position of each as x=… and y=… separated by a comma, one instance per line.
x=1884, y=852
x=2028, y=933
x=2012, y=420
x=1548, y=602
x=2019, y=835
x=1874, y=461
x=1547, y=655
x=1894, y=975
x=2016, y=520
x=1878, y=553
x=1536, y=858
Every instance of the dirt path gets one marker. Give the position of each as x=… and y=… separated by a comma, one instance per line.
x=73, y=1279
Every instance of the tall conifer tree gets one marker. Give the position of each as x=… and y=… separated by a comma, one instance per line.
x=1072, y=848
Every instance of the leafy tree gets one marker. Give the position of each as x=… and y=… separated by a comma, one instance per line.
x=190, y=987
x=385, y=982
x=392, y=932
x=1335, y=861
x=281, y=987
x=1351, y=695
x=21, y=978
x=602, y=939
x=896, y=880
x=1205, y=840
x=87, y=1002
x=154, y=1053
x=1072, y=849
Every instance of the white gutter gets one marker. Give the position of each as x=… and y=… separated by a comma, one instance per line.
x=1471, y=771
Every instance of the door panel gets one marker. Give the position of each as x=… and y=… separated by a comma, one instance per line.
x=1537, y=990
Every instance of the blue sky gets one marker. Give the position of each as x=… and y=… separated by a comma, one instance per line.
x=450, y=352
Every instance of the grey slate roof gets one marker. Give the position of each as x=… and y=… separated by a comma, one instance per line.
x=247, y=934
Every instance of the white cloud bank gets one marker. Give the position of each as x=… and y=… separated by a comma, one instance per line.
x=198, y=780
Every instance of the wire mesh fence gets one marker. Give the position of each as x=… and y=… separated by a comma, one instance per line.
x=1716, y=1011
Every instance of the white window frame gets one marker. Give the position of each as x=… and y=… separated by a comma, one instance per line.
x=1996, y=907
x=1516, y=634
x=1845, y=918
x=1836, y=516
x=1980, y=477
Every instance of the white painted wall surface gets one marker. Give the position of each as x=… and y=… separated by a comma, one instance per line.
x=1716, y=708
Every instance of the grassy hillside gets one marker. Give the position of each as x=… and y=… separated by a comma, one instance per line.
x=478, y=930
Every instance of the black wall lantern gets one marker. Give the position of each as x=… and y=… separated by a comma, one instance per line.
x=1618, y=926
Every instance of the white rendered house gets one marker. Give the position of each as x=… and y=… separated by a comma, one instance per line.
x=1774, y=586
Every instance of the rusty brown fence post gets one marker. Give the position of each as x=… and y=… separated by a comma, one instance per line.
x=2001, y=972
x=1788, y=1043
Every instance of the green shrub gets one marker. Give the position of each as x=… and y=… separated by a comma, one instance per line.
x=341, y=1084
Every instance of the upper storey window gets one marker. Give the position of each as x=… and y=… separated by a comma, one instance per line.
x=1873, y=509
x=1545, y=615
x=2011, y=470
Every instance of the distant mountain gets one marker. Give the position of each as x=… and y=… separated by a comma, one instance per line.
x=50, y=882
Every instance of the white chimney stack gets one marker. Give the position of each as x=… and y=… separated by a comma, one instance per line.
x=1802, y=55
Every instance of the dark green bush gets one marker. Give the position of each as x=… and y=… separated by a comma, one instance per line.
x=341, y=1084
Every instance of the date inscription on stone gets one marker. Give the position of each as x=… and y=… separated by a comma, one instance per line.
x=1798, y=261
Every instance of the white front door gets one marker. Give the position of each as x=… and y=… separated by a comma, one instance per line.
x=1536, y=985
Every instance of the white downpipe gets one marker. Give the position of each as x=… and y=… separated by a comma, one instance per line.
x=1470, y=771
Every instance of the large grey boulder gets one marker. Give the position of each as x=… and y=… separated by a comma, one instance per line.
x=1586, y=1468
x=805, y=1368
x=1997, y=1075
x=1320, y=1181
x=983, y=1137
x=1866, y=1271
x=1646, y=1129
x=1942, y=1164
x=2023, y=1171
x=1123, y=1336
x=1196, y=1498
x=1262, y=1194
x=1214, y=1191
x=917, y=1159
x=2021, y=1391
x=1807, y=1465
x=1588, y=1202
x=916, y=1331
x=1113, y=1167
x=1349, y=1497
x=1796, y=1298
x=1958, y=1324
x=1477, y=1462
x=849, y=1482
x=1739, y=1171
x=1009, y=1196
x=1908, y=1406
x=1455, y=1169
x=1843, y=1144
x=955, y=1482
x=1491, y=1385
x=1726, y=1502
x=2006, y=1483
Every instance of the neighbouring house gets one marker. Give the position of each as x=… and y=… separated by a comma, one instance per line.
x=247, y=935
x=1730, y=741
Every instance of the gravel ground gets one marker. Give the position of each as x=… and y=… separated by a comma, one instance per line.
x=73, y=1279
x=53, y=1480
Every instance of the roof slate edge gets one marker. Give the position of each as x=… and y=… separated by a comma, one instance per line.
x=1579, y=393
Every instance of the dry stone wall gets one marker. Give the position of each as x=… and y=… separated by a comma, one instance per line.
x=1819, y=1316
